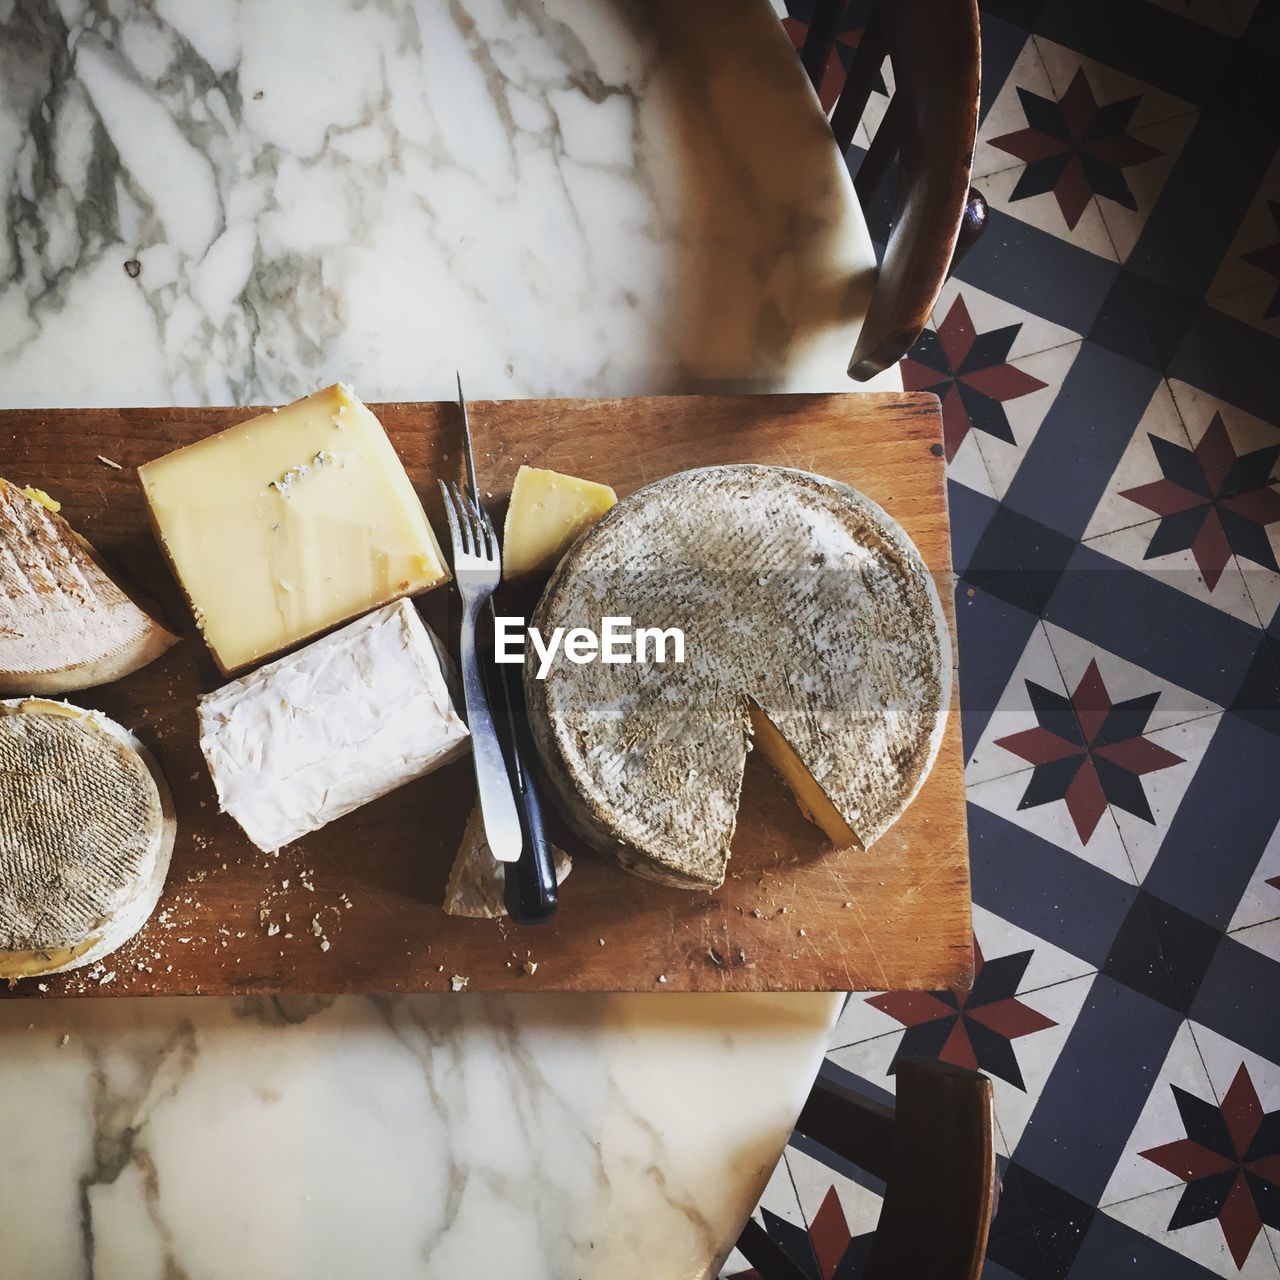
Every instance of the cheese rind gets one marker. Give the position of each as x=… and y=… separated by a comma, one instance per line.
x=547, y=513
x=477, y=881
x=799, y=598
x=314, y=735
x=86, y=832
x=289, y=524
x=65, y=622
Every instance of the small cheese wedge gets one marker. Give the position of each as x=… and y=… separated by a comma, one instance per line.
x=314, y=735
x=65, y=622
x=547, y=513
x=86, y=832
x=288, y=524
x=477, y=883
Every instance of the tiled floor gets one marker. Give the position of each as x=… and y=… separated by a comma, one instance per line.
x=1108, y=359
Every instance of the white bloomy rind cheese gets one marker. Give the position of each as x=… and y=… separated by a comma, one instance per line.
x=813, y=631
x=317, y=734
x=288, y=524
x=86, y=832
x=65, y=622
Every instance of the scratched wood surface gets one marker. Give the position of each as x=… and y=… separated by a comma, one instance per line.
x=793, y=915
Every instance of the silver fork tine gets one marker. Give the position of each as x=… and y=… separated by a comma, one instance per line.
x=464, y=521
x=451, y=515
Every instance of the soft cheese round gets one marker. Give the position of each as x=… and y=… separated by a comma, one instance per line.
x=798, y=597
x=86, y=831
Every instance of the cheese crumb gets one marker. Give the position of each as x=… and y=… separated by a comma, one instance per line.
x=458, y=982
x=530, y=966
x=106, y=462
x=662, y=977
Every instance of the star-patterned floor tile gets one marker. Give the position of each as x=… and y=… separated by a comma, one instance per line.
x=1178, y=1179
x=1177, y=730
x=1036, y=669
x=1091, y=153
x=1014, y=1038
x=1238, y=458
x=1160, y=515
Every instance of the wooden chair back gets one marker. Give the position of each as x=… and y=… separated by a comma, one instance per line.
x=933, y=1149
x=929, y=126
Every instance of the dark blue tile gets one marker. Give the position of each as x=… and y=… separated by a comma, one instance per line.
x=1232, y=361
x=1038, y=1228
x=992, y=635
x=1201, y=206
x=1045, y=890
x=1149, y=43
x=1082, y=438
x=837, y=1164
x=1023, y=14
x=1238, y=999
x=1246, y=91
x=1222, y=825
x=1153, y=625
x=1162, y=952
x=1038, y=272
x=1113, y=1249
x=1104, y=1072
x=1258, y=700
x=1143, y=321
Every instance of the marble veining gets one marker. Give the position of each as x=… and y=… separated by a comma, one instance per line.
x=411, y=1136
x=385, y=190
x=237, y=201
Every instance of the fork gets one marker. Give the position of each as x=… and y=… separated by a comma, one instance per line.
x=477, y=569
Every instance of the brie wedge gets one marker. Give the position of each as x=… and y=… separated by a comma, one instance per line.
x=86, y=831
x=65, y=622
x=318, y=733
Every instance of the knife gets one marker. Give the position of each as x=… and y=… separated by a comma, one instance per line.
x=530, y=889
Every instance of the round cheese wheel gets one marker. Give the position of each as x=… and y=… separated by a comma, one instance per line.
x=86, y=831
x=811, y=628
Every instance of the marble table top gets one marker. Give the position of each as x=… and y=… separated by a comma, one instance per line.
x=242, y=200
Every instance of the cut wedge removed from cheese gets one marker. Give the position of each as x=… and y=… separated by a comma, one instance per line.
x=86, y=831
x=812, y=630
x=288, y=524
x=477, y=882
x=312, y=736
x=548, y=511
x=65, y=622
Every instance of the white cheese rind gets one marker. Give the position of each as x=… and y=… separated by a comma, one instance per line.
x=321, y=732
x=65, y=622
x=87, y=828
x=796, y=594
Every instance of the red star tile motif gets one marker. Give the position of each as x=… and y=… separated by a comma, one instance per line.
x=1268, y=259
x=1274, y=882
x=1089, y=751
x=1230, y=1161
x=1076, y=148
x=1212, y=501
x=970, y=373
x=975, y=1029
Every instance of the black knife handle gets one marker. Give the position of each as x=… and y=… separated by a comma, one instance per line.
x=530, y=891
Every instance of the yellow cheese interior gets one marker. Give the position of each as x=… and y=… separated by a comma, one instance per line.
x=547, y=512
x=290, y=523
x=811, y=798
x=26, y=964
x=39, y=495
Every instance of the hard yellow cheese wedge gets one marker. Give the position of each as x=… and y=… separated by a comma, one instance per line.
x=290, y=523
x=547, y=513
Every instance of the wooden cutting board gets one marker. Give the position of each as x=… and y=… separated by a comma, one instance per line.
x=792, y=916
